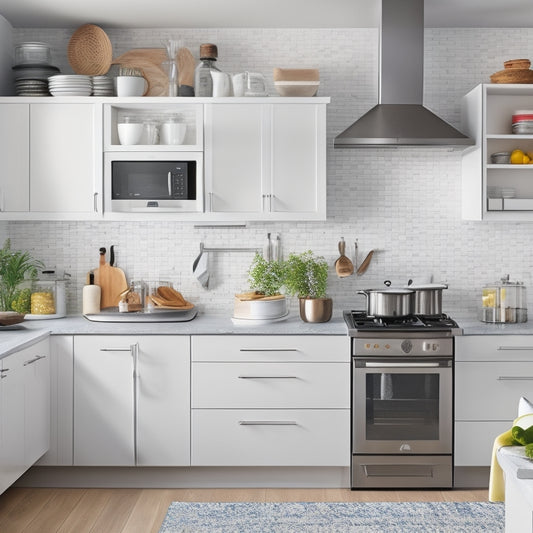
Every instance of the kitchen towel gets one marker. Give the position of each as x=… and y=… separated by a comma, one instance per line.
x=201, y=271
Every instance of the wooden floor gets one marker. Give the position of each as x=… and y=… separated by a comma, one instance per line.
x=143, y=510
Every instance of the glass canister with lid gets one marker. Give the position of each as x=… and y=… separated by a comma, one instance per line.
x=504, y=302
x=48, y=295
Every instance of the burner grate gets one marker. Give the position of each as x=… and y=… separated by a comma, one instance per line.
x=363, y=322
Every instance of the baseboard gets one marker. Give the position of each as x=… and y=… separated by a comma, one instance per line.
x=471, y=477
x=197, y=477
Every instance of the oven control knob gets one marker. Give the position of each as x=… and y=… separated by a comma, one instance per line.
x=426, y=347
x=405, y=448
x=407, y=346
x=435, y=347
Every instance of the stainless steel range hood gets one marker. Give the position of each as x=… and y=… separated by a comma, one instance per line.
x=400, y=119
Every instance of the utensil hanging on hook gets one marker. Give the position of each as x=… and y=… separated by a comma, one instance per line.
x=343, y=265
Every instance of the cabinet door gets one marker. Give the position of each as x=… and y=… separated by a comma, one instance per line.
x=14, y=152
x=65, y=159
x=234, y=158
x=103, y=401
x=11, y=420
x=298, y=174
x=61, y=402
x=37, y=401
x=163, y=411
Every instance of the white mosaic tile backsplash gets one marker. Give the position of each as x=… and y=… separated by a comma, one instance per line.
x=403, y=203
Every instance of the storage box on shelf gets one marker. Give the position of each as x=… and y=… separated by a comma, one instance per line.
x=495, y=191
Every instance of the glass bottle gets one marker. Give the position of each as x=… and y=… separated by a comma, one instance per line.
x=203, y=83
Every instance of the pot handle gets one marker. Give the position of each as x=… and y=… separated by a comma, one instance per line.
x=388, y=282
x=363, y=292
x=410, y=282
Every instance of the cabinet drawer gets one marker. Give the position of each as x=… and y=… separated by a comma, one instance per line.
x=474, y=441
x=268, y=348
x=270, y=437
x=491, y=391
x=494, y=348
x=271, y=385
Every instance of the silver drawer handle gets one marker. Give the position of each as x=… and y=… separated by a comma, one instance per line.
x=115, y=349
x=267, y=377
x=515, y=378
x=5, y=370
x=34, y=360
x=267, y=423
x=269, y=350
x=515, y=347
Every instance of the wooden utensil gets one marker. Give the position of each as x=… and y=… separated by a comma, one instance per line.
x=111, y=280
x=365, y=264
x=186, y=66
x=343, y=265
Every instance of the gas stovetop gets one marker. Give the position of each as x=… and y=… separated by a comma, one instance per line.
x=360, y=324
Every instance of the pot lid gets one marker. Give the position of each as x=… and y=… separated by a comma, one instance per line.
x=388, y=291
x=426, y=286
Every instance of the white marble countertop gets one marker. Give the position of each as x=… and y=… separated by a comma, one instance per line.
x=516, y=466
x=31, y=331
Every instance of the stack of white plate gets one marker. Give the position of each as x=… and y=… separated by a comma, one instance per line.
x=70, y=85
x=102, y=86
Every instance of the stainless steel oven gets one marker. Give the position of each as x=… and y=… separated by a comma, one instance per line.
x=402, y=404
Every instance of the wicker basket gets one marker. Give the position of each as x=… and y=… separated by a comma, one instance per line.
x=513, y=75
x=517, y=63
x=89, y=51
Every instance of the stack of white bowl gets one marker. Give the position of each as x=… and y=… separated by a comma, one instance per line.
x=103, y=86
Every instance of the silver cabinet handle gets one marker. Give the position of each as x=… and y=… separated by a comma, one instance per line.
x=269, y=350
x=515, y=378
x=515, y=348
x=4, y=370
x=95, y=202
x=267, y=377
x=170, y=184
x=115, y=349
x=34, y=360
x=267, y=423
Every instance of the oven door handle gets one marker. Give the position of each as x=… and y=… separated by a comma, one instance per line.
x=388, y=364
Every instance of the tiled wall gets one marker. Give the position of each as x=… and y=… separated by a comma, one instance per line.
x=404, y=203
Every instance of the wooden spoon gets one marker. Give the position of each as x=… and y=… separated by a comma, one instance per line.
x=343, y=265
x=365, y=264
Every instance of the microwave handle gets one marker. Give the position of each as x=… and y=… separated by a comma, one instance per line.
x=170, y=184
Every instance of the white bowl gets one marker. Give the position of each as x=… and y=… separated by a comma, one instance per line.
x=297, y=88
x=260, y=309
x=130, y=133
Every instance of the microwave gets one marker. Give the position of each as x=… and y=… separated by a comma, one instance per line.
x=153, y=182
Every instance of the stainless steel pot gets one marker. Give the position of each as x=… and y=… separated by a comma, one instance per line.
x=428, y=298
x=389, y=302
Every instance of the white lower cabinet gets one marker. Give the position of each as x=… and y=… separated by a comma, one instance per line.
x=270, y=401
x=131, y=401
x=492, y=372
x=24, y=410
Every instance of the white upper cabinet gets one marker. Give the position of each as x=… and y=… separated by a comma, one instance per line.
x=266, y=161
x=14, y=142
x=493, y=191
x=65, y=159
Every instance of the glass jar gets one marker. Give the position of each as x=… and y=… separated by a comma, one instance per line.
x=504, y=302
x=203, y=82
x=43, y=298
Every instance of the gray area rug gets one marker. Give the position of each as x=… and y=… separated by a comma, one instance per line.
x=360, y=517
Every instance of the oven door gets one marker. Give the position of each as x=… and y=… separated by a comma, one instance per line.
x=402, y=407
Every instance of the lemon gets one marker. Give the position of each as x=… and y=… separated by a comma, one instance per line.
x=526, y=159
x=517, y=157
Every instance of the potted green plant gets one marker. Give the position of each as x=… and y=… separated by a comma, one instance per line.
x=266, y=301
x=15, y=268
x=306, y=276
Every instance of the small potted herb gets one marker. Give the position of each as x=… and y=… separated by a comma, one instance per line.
x=266, y=301
x=16, y=267
x=306, y=276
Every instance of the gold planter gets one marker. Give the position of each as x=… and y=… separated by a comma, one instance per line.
x=316, y=309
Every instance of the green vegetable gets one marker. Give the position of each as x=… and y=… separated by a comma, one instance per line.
x=522, y=436
x=529, y=450
x=22, y=301
x=267, y=277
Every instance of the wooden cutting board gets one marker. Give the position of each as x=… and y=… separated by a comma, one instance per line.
x=112, y=281
x=150, y=60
